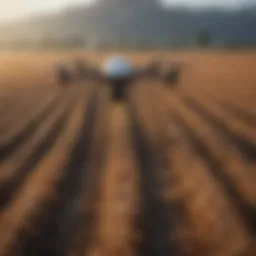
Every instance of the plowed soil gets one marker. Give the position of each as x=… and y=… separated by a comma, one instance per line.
x=170, y=171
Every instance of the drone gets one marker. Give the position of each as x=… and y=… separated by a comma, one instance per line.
x=119, y=72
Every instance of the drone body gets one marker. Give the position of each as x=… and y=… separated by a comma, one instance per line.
x=117, y=68
x=119, y=73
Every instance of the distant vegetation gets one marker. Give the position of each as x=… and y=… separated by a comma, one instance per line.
x=204, y=38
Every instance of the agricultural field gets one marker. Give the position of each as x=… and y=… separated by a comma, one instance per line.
x=170, y=171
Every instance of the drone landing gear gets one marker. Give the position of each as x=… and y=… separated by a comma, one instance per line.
x=118, y=89
x=64, y=80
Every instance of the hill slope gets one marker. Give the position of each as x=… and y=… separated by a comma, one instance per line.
x=138, y=21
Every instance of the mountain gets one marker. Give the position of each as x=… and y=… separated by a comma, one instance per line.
x=137, y=21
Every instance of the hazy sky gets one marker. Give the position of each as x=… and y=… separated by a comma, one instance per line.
x=11, y=9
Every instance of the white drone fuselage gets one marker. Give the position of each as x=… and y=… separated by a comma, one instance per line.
x=118, y=71
x=117, y=68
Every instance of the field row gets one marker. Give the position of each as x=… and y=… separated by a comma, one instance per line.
x=81, y=175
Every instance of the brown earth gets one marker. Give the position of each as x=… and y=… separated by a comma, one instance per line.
x=169, y=172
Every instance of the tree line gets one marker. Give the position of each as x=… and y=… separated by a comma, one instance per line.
x=204, y=39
